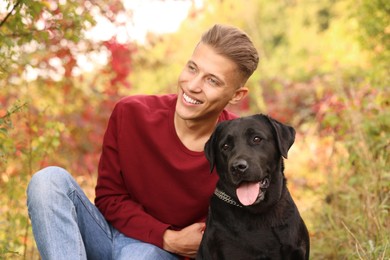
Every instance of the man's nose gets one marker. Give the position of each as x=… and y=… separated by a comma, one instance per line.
x=195, y=84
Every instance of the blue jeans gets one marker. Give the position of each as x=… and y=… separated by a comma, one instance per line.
x=66, y=225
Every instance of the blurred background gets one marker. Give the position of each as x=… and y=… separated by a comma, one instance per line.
x=324, y=69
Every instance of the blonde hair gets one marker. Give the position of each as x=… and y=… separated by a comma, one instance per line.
x=233, y=44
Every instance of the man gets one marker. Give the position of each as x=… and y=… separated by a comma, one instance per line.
x=154, y=182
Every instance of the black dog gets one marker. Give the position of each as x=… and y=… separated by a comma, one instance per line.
x=252, y=214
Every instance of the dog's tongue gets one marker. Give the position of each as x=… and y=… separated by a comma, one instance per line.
x=248, y=192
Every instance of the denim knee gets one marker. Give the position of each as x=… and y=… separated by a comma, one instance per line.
x=154, y=252
x=136, y=252
x=132, y=249
x=46, y=182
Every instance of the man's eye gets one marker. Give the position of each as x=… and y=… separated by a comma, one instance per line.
x=225, y=147
x=213, y=81
x=256, y=140
x=191, y=68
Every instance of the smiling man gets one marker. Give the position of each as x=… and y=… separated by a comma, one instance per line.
x=207, y=84
x=154, y=184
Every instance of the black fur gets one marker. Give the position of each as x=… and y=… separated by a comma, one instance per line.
x=271, y=228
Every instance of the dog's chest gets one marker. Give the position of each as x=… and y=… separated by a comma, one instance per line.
x=248, y=244
x=243, y=234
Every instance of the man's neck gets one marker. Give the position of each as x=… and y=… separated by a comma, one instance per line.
x=194, y=134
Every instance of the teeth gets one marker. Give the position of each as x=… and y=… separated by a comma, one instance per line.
x=190, y=100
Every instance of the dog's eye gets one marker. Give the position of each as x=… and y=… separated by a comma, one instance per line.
x=225, y=147
x=256, y=140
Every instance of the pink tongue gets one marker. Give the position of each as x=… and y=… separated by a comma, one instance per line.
x=248, y=192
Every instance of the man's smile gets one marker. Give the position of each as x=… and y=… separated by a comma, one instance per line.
x=191, y=100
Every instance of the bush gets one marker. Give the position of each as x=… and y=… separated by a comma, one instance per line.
x=354, y=220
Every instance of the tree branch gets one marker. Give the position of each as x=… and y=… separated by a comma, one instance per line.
x=9, y=14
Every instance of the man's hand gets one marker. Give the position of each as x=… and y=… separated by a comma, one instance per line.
x=184, y=242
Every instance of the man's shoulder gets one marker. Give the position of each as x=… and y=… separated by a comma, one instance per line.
x=227, y=115
x=146, y=101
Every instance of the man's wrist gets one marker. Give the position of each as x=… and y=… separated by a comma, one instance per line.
x=168, y=238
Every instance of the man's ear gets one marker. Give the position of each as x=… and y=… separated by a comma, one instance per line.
x=239, y=95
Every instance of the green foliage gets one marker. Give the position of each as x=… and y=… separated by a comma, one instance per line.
x=58, y=107
x=11, y=219
x=355, y=215
x=29, y=27
x=374, y=29
x=5, y=126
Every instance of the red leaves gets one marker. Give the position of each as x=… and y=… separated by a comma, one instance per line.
x=301, y=101
x=121, y=61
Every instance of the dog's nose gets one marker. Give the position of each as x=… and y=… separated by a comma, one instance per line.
x=240, y=166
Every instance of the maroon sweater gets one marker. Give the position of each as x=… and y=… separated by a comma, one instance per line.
x=148, y=180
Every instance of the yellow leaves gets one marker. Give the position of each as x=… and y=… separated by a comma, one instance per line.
x=10, y=170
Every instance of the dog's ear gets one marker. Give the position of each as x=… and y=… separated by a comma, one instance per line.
x=285, y=135
x=210, y=146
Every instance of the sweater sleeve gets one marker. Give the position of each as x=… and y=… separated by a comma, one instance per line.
x=114, y=200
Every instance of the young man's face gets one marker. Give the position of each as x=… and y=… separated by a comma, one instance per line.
x=207, y=84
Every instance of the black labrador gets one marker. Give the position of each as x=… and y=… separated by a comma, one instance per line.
x=252, y=214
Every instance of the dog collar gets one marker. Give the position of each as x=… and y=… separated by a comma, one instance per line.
x=226, y=198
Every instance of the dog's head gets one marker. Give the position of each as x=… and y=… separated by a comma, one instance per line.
x=247, y=153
